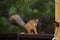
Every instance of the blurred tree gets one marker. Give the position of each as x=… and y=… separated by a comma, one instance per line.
x=28, y=9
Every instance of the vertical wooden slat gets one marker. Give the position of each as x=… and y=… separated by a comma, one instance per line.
x=57, y=10
x=57, y=19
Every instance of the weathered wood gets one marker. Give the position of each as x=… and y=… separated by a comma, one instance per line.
x=8, y=36
x=26, y=36
x=57, y=19
x=57, y=10
x=41, y=36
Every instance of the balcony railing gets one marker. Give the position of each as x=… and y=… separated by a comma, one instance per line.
x=26, y=36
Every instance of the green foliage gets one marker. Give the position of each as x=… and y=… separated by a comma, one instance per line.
x=28, y=9
x=12, y=10
x=6, y=27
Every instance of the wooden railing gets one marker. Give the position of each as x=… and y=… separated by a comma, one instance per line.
x=26, y=36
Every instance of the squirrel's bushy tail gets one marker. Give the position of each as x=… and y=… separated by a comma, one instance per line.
x=18, y=19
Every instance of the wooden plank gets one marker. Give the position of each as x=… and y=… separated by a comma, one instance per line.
x=26, y=36
x=57, y=10
x=41, y=36
x=11, y=36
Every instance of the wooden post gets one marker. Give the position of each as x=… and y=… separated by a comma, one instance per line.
x=57, y=10
x=57, y=19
